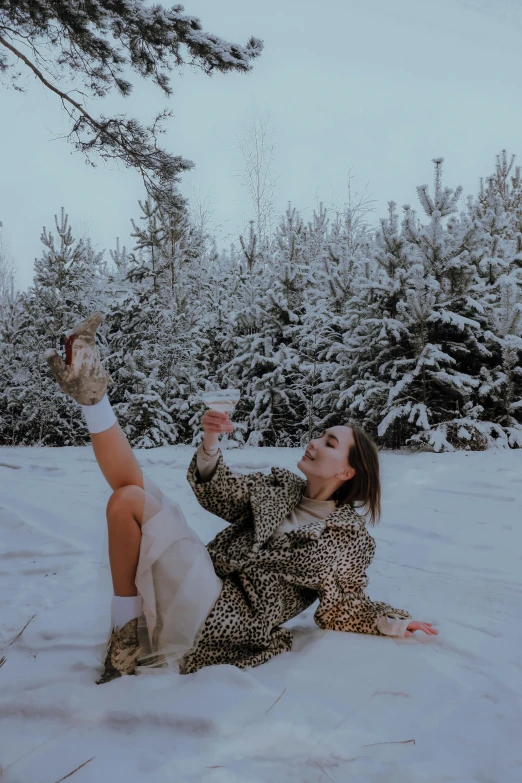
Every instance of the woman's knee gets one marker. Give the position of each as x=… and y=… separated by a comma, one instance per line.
x=126, y=501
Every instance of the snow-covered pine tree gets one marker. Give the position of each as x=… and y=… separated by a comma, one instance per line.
x=143, y=414
x=267, y=361
x=68, y=277
x=497, y=212
x=9, y=295
x=323, y=250
x=147, y=248
x=134, y=362
x=156, y=334
x=500, y=391
x=368, y=332
x=226, y=305
x=118, y=286
x=8, y=277
x=239, y=282
x=182, y=278
x=10, y=375
x=434, y=379
x=414, y=332
x=329, y=316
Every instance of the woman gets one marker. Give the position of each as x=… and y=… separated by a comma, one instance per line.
x=289, y=541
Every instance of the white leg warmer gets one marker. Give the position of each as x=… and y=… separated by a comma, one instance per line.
x=124, y=609
x=99, y=417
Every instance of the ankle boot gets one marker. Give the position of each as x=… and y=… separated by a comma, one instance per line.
x=82, y=375
x=122, y=652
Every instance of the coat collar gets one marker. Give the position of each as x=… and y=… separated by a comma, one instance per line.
x=277, y=494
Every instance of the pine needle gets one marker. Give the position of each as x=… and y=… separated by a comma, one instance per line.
x=324, y=771
x=75, y=770
x=2, y=660
x=391, y=742
x=21, y=632
x=273, y=705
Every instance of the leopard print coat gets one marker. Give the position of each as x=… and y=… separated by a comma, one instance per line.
x=266, y=583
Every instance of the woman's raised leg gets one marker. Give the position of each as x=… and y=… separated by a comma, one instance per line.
x=124, y=520
x=83, y=378
x=116, y=459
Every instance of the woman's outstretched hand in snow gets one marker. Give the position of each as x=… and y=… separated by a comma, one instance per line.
x=417, y=626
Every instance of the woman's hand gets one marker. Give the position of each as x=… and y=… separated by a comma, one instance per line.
x=214, y=423
x=417, y=626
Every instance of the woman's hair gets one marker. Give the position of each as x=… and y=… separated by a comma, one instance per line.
x=365, y=486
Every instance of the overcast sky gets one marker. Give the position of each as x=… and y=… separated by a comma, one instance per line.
x=366, y=86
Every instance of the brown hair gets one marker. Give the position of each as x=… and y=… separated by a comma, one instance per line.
x=365, y=486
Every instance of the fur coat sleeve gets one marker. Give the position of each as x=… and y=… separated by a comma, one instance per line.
x=344, y=604
x=226, y=494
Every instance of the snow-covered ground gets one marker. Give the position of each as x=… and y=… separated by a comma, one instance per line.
x=341, y=707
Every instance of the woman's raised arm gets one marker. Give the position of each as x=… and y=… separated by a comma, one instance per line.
x=224, y=493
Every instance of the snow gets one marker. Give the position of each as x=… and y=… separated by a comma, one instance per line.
x=337, y=707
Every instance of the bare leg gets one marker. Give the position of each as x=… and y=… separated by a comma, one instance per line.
x=116, y=458
x=124, y=519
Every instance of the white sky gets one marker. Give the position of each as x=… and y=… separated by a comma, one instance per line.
x=363, y=85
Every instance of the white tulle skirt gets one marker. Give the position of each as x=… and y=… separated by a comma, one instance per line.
x=177, y=580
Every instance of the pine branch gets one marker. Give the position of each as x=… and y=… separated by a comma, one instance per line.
x=147, y=40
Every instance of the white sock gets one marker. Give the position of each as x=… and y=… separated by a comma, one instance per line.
x=100, y=416
x=124, y=609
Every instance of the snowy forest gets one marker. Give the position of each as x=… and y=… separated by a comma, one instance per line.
x=412, y=329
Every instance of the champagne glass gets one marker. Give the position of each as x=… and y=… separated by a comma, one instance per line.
x=221, y=399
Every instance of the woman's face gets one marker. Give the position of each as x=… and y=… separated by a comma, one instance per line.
x=326, y=457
